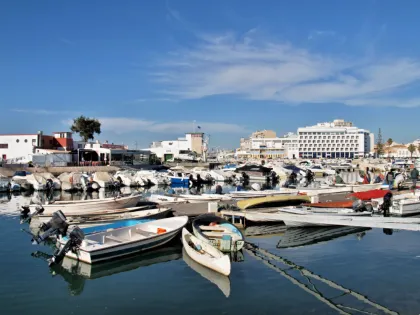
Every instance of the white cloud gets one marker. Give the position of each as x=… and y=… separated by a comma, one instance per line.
x=278, y=71
x=121, y=125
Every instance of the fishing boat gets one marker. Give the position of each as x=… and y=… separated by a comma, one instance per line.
x=370, y=194
x=205, y=254
x=166, y=200
x=219, y=232
x=272, y=201
x=405, y=207
x=221, y=281
x=4, y=184
x=72, y=207
x=283, y=214
x=124, y=241
x=295, y=237
x=243, y=194
x=104, y=179
x=204, y=198
x=55, y=182
x=330, y=204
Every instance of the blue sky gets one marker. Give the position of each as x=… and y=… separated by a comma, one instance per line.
x=148, y=69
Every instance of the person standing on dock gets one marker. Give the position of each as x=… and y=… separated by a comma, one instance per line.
x=390, y=179
x=414, y=174
x=386, y=204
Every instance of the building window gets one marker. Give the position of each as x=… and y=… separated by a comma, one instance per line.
x=17, y=140
x=26, y=140
x=4, y=145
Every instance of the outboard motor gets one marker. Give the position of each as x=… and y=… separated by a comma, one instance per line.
x=219, y=190
x=49, y=185
x=359, y=206
x=75, y=239
x=56, y=226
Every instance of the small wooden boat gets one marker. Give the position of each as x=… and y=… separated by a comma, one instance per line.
x=219, y=232
x=331, y=204
x=84, y=206
x=370, y=194
x=205, y=254
x=272, y=201
x=221, y=281
x=125, y=241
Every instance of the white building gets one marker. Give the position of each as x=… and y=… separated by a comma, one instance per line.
x=18, y=146
x=273, y=147
x=169, y=149
x=337, y=139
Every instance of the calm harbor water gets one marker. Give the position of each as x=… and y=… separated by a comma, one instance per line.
x=357, y=272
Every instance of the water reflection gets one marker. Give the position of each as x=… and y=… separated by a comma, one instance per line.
x=221, y=281
x=294, y=237
x=75, y=273
x=305, y=279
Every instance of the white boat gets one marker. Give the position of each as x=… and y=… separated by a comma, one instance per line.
x=165, y=200
x=360, y=187
x=405, y=207
x=104, y=179
x=205, y=254
x=262, y=193
x=221, y=281
x=71, y=181
x=126, y=178
x=218, y=232
x=4, y=184
x=84, y=221
x=412, y=224
x=37, y=181
x=219, y=175
x=204, y=198
x=72, y=207
x=125, y=241
x=284, y=214
x=48, y=176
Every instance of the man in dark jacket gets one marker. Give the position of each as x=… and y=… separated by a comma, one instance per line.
x=414, y=175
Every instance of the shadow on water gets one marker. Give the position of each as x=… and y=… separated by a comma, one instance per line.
x=76, y=273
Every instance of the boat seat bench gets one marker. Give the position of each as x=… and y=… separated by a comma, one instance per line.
x=217, y=234
x=116, y=239
x=145, y=233
x=213, y=228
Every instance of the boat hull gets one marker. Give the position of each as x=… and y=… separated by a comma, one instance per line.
x=215, y=261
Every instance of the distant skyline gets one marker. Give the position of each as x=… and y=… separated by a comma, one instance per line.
x=148, y=69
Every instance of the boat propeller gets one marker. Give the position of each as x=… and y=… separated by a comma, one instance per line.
x=75, y=238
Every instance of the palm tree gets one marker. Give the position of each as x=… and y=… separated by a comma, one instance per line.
x=411, y=148
x=389, y=142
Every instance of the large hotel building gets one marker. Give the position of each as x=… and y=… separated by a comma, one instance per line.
x=337, y=139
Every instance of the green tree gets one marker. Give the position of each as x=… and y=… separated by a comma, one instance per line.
x=86, y=127
x=379, y=144
x=418, y=148
x=411, y=148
